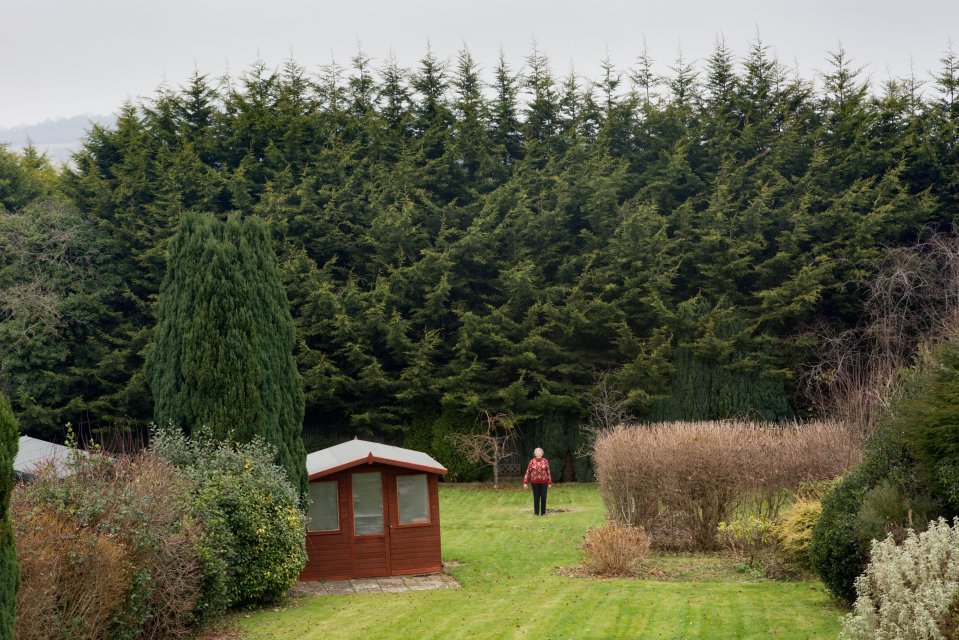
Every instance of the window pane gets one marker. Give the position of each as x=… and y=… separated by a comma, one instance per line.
x=367, y=503
x=324, y=513
x=413, y=499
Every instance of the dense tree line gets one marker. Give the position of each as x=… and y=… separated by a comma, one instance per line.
x=454, y=240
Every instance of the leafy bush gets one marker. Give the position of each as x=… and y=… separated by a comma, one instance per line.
x=750, y=538
x=9, y=574
x=909, y=591
x=889, y=492
x=835, y=549
x=107, y=552
x=929, y=422
x=252, y=520
x=793, y=531
x=614, y=549
x=680, y=480
x=76, y=580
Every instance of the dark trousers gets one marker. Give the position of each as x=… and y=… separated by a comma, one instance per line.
x=539, y=498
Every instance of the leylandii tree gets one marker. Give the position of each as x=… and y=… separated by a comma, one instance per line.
x=9, y=573
x=222, y=355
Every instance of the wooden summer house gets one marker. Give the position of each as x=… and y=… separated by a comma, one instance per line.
x=375, y=512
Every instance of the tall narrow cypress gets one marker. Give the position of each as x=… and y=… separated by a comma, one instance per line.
x=9, y=571
x=222, y=356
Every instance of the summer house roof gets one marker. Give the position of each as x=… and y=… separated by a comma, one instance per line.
x=355, y=452
x=34, y=453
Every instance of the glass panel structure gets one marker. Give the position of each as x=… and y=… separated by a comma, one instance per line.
x=367, y=503
x=324, y=512
x=413, y=498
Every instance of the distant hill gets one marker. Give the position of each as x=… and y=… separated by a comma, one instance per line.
x=58, y=138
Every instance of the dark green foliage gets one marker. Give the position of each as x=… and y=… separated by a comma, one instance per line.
x=930, y=425
x=53, y=278
x=713, y=376
x=903, y=480
x=223, y=347
x=448, y=247
x=9, y=573
x=836, y=551
x=563, y=445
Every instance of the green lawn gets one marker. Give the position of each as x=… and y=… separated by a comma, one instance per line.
x=508, y=562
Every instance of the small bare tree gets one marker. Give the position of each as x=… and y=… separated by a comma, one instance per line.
x=910, y=303
x=489, y=445
x=608, y=409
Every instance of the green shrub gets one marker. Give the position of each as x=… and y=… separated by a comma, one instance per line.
x=750, y=538
x=896, y=484
x=794, y=530
x=929, y=422
x=909, y=590
x=9, y=572
x=252, y=520
x=887, y=511
x=835, y=549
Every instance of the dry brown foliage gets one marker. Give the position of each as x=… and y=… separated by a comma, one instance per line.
x=72, y=579
x=679, y=480
x=614, y=549
x=82, y=540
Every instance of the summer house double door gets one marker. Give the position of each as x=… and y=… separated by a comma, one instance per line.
x=371, y=523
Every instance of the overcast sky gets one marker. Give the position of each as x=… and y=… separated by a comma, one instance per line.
x=68, y=57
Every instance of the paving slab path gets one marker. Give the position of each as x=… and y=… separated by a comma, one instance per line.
x=394, y=584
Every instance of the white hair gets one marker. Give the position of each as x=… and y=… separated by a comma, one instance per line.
x=540, y=449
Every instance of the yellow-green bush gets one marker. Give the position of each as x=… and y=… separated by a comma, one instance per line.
x=794, y=530
x=749, y=537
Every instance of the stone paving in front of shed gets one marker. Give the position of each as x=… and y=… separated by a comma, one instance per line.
x=394, y=584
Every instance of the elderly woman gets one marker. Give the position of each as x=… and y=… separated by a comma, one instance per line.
x=537, y=474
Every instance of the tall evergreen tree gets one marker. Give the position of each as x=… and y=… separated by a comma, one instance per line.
x=9, y=571
x=222, y=352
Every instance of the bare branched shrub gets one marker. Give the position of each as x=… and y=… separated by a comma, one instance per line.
x=679, y=480
x=491, y=445
x=607, y=408
x=910, y=303
x=614, y=549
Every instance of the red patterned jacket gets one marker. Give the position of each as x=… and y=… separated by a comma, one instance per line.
x=538, y=472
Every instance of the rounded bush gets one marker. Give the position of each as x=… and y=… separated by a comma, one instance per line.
x=614, y=549
x=835, y=549
x=252, y=521
x=908, y=590
x=794, y=531
x=261, y=529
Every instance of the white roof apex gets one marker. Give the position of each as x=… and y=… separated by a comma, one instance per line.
x=33, y=453
x=354, y=452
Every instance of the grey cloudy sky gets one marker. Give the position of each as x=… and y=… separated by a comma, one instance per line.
x=67, y=57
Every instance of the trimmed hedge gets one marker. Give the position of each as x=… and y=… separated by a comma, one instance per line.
x=835, y=550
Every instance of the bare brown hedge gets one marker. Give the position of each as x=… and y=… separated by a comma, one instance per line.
x=679, y=480
x=86, y=542
x=614, y=549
